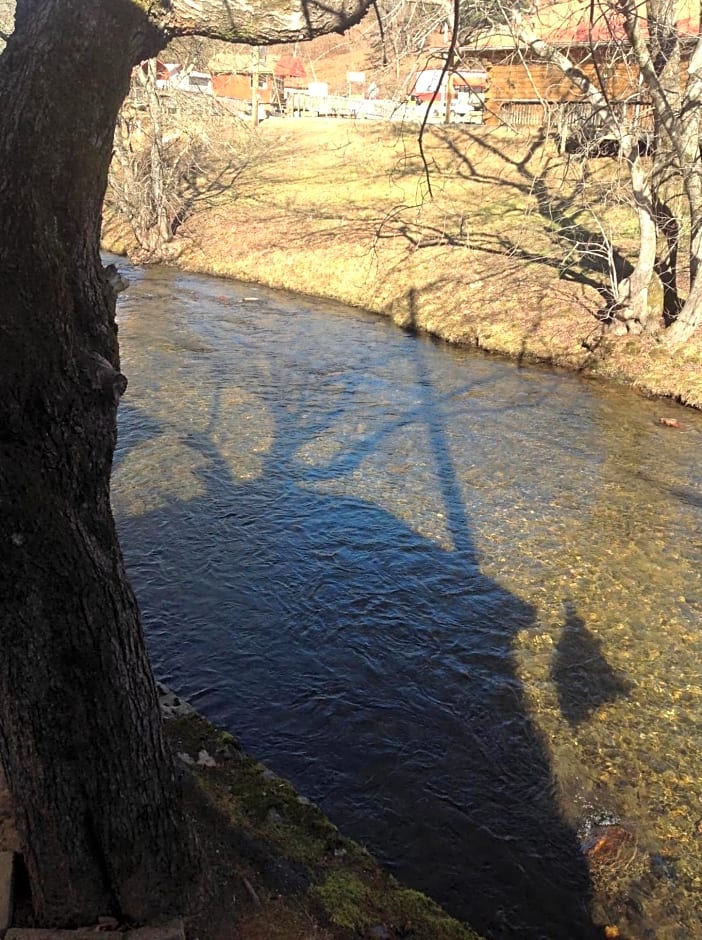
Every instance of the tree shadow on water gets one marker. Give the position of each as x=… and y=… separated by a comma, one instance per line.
x=372, y=666
x=583, y=678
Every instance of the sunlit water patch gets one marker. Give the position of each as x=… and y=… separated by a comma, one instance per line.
x=456, y=601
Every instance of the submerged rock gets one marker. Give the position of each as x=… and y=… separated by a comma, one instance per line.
x=610, y=850
x=617, y=865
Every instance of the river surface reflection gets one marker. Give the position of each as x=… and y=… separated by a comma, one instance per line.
x=456, y=601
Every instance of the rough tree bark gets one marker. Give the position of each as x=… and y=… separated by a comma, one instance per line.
x=677, y=112
x=690, y=317
x=80, y=737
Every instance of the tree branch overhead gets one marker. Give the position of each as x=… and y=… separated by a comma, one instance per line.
x=256, y=23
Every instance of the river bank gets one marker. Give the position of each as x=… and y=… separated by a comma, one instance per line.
x=495, y=256
x=277, y=869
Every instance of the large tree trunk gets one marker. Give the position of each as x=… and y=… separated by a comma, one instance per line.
x=80, y=736
x=689, y=320
x=633, y=306
x=97, y=804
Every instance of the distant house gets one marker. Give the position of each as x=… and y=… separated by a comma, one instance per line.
x=195, y=82
x=165, y=72
x=171, y=75
x=234, y=74
x=524, y=89
x=291, y=70
x=460, y=88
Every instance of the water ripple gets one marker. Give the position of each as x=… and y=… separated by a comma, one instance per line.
x=457, y=601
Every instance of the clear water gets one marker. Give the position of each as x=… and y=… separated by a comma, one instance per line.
x=456, y=601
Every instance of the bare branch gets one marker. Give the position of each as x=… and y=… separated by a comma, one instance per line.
x=450, y=55
x=632, y=21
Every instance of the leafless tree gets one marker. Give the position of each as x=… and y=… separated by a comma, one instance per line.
x=174, y=150
x=664, y=168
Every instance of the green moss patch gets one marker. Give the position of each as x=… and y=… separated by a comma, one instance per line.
x=276, y=866
x=344, y=899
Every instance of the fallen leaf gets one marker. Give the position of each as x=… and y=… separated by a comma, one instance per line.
x=670, y=422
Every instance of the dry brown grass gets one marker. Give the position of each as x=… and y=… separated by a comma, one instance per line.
x=501, y=255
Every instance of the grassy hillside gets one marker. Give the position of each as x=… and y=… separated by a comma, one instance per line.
x=498, y=245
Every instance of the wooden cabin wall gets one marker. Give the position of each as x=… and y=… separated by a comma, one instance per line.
x=513, y=81
x=239, y=87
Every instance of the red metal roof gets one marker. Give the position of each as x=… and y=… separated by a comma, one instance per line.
x=568, y=22
x=565, y=23
x=289, y=66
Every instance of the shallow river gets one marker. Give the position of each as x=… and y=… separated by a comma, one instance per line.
x=456, y=601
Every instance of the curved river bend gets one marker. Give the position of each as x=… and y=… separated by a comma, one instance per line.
x=456, y=601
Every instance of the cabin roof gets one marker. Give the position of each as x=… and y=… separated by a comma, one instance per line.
x=566, y=23
x=290, y=66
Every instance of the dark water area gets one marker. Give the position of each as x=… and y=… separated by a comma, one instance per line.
x=457, y=602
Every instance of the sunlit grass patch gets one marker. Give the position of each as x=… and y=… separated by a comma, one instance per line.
x=503, y=242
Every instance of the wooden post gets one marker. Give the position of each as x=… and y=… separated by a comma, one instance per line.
x=449, y=87
x=256, y=51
